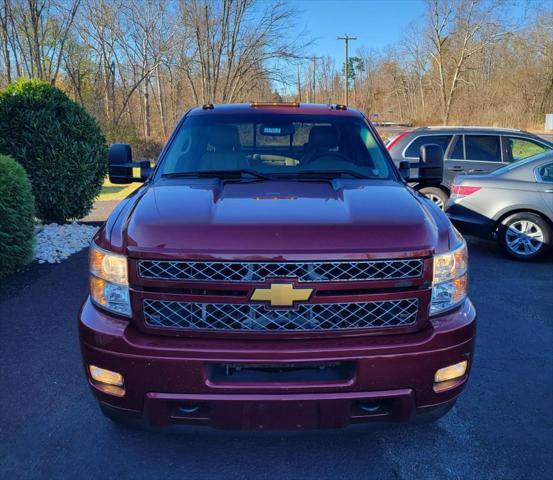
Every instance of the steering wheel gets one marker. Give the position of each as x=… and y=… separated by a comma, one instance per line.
x=315, y=156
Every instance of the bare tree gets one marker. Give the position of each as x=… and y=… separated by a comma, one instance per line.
x=137, y=65
x=458, y=30
x=235, y=45
x=39, y=30
x=416, y=48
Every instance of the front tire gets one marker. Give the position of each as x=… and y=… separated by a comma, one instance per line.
x=437, y=195
x=524, y=236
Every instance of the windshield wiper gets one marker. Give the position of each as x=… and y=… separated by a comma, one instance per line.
x=240, y=174
x=218, y=174
x=326, y=173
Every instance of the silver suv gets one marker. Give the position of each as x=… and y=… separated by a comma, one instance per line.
x=468, y=150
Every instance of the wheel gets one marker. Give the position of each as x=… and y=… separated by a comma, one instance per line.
x=524, y=236
x=437, y=195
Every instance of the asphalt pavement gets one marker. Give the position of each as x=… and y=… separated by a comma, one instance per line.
x=501, y=427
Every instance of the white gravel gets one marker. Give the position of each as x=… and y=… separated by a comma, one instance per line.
x=55, y=243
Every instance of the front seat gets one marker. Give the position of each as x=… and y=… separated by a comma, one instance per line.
x=226, y=153
x=321, y=140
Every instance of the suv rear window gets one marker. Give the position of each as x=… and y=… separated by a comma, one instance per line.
x=414, y=148
x=522, y=148
x=276, y=144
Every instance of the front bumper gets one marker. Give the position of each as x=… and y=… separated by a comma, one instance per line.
x=167, y=380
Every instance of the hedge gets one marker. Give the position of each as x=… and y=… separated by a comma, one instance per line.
x=59, y=144
x=17, y=230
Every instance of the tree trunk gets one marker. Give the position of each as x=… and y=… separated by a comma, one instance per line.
x=5, y=41
x=36, y=45
x=161, y=104
x=423, y=106
x=147, y=119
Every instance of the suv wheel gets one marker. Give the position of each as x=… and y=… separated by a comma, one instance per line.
x=524, y=236
x=437, y=195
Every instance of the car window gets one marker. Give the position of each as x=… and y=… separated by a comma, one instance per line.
x=458, y=152
x=483, y=148
x=276, y=144
x=546, y=172
x=414, y=148
x=522, y=148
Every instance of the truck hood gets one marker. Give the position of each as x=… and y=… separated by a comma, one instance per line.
x=279, y=219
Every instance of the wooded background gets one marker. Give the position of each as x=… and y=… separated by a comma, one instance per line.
x=138, y=65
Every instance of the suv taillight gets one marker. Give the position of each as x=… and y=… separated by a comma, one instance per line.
x=396, y=139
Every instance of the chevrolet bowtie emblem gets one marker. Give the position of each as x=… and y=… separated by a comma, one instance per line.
x=281, y=294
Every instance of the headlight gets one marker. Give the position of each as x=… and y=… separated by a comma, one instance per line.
x=449, y=286
x=109, y=284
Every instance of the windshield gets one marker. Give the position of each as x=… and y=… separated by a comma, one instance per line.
x=276, y=145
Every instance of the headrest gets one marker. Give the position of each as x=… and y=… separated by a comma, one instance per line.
x=323, y=137
x=224, y=137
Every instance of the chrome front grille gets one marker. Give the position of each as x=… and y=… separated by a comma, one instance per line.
x=308, y=317
x=339, y=271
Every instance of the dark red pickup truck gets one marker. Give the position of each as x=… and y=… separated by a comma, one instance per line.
x=275, y=270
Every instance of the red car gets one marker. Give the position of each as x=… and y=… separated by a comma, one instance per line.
x=276, y=271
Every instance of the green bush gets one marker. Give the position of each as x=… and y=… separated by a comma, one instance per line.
x=17, y=230
x=59, y=144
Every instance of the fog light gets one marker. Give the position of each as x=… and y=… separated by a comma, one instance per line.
x=449, y=377
x=107, y=381
x=106, y=376
x=452, y=372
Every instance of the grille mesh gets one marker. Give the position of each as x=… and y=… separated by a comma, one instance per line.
x=308, y=317
x=259, y=271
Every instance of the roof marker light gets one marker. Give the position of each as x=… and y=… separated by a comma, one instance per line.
x=275, y=104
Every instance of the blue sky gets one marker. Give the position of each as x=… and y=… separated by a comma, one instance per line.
x=375, y=23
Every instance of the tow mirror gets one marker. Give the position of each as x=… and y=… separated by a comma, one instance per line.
x=432, y=156
x=405, y=169
x=430, y=165
x=120, y=165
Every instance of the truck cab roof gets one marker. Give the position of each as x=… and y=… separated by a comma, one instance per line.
x=275, y=108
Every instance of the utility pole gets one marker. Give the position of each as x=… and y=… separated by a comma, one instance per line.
x=346, y=39
x=299, y=85
x=314, y=60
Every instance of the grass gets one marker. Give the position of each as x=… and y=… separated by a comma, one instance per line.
x=112, y=191
x=523, y=149
x=106, y=189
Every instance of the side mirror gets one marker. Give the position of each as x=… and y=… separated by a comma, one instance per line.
x=120, y=165
x=432, y=156
x=405, y=169
x=430, y=166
